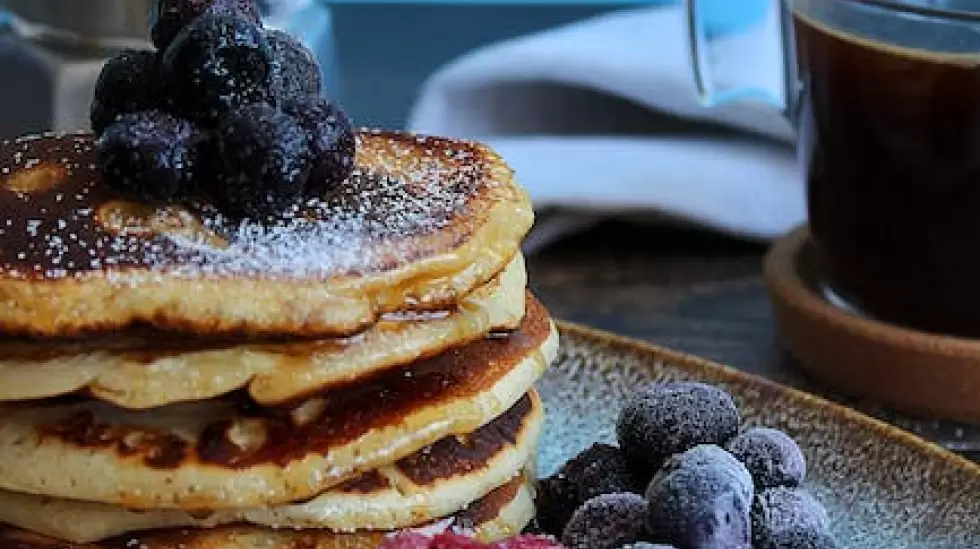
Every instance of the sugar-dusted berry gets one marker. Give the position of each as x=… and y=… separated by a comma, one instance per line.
x=599, y=469
x=663, y=419
x=152, y=155
x=169, y=17
x=607, y=522
x=789, y=518
x=701, y=499
x=773, y=458
x=295, y=68
x=218, y=63
x=264, y=163
x=129, y=83
x=332, y=141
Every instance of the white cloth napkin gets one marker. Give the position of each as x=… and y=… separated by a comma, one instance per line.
x=601, y=118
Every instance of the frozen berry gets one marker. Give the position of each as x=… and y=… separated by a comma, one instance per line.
x=806, y=539
x=218, y=63
x=264, y=162
x=169, y=17
x=701, y=500
x=663, y=419
x=647, y=545
x=772, y=457
x=450, y=540
x=331, y=140
x=607, y=522
x=780, y=515
x=151, y=155
x=599, y=469
x=295, y=68
x=128, y=83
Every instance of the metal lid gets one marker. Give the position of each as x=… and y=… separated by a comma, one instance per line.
x=89, y=18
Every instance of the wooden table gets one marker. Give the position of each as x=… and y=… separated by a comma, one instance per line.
x=694, y=292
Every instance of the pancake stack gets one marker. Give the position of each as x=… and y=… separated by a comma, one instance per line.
x=171, y=377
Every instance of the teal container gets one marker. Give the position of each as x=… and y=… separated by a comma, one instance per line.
x=727, y=16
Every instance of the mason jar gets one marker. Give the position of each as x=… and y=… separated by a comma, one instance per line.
x=51, y=53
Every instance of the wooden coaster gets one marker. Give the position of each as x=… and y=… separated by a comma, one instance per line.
x=907, y=370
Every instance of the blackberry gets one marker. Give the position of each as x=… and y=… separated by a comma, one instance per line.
x=296, y=70
x=264, y=162
x=664, y=419
x=785, y=518
x=151, y=155
x=701, y=499
x=169, y=17
x=599, y=469
x=218, y=63
x=607, y=522
x=128, y=83
x=332, y=141
x=773, y=458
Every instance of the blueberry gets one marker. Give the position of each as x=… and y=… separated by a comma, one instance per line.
x=169, y=17
x=663, y=419
x=599, y=469
x=772, y=457
x=218, y=63
x=783, y=518
x=331, y=139
x=151, y=155
x=607, y=522
x=295, y=67
x=128, y=83
x=264, y=162
x=701, y=499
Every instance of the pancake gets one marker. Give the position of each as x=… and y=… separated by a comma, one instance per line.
x=422, y=222
x=503, y=513
x=432, y=483
x=229, y=453
x=140, y=371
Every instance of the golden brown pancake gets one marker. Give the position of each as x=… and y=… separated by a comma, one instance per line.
x=432, y=483
x=422, y=222
x=229, y=453
x=140, y=371
x=500, y=514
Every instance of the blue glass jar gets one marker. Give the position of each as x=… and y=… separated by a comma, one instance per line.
x=51, y=53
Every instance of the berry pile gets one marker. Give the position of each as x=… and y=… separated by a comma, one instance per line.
x=223, y=107
x=685, y=477
x=455, y=541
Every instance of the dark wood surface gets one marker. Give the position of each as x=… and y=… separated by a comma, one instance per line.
x=695, y=292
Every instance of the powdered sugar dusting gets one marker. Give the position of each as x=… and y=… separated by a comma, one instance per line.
x=61, y=220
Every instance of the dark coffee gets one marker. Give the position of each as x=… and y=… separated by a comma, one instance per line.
x=890, y=141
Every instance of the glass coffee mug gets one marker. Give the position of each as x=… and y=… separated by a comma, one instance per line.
x=885, y=98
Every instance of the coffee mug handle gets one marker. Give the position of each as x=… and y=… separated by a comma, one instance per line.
x=706, y=57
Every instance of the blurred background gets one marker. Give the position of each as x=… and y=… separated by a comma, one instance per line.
x=384, y=59
x=379, y=52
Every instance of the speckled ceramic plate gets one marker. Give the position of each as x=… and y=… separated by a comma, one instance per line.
x=884, y=488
